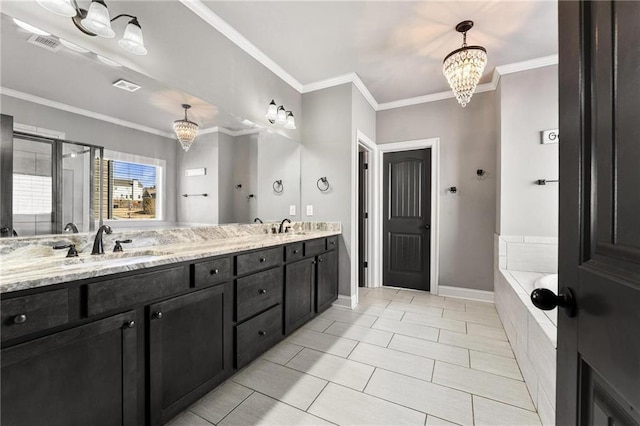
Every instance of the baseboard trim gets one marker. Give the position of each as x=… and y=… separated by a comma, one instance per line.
x=465, y=293
x=346, y=301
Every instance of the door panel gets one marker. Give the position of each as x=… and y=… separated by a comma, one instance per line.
x=407, y=206
x=599, y=349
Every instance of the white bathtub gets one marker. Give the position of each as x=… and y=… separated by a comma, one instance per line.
x=548, y=281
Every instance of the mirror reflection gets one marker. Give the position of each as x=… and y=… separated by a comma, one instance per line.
x=117, y=160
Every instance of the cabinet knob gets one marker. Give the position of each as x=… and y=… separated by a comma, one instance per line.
x=295, y=252
x=333, y=243
x=262, y=333
x=263, y=259
x=313, y=263
x=320, y=259
x=130, y=324
x=20, y=319
x=263, y=291
x=156, y=315
x=214, y=272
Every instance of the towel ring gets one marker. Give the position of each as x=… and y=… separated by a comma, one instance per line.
x=325, y=186
x=278, y=187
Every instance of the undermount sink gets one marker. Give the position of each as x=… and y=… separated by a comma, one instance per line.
x=112, y=259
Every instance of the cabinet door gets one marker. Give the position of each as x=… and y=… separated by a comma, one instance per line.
x=189, y=349
x=327, y=291
x=82, y=376
x=298, y=293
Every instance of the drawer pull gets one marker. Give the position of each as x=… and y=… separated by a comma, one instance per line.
x=263, y=259
x=333, y=243
x=214, y=272
x=295, y=252
x=20, y=319
x=320, y=259
x=262, y=333
x=156, y=315
x=263, y=291
x=130, y=324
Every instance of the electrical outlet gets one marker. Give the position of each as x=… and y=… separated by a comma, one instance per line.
x=292, y=210
x=310, y=210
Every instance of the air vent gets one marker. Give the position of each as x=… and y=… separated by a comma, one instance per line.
x=51, y=44
x=126, y=85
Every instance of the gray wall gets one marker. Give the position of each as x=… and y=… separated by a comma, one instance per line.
x=326, y=151
x=528, y=105
x=97, y=132
x=225, y=178
x=467, y=143
x=199, y=210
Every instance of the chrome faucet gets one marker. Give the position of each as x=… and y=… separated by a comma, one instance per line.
x=280, y=230
x=98, y=247
x=70, y=227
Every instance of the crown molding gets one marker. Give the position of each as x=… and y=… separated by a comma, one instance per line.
x=226, y=131
x=200, y=9
x=544, y=61
x=351, y=77
x=81, y=111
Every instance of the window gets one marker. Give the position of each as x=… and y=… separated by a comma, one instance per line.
x=31, y=194
x=132, y=187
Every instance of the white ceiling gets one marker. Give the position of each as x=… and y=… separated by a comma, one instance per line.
x=396, y=47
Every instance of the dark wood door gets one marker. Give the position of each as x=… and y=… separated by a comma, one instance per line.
x=299, y=292
x=407, y=219
x=189, y=349
x=599, y=348
x=327, y=280
x=83, y=376
x=363, y=216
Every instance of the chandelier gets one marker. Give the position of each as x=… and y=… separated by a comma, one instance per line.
x=186, y=130
x=463, y=67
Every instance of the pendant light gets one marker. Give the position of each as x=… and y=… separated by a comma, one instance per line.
x=186, y=130
x=463, y=67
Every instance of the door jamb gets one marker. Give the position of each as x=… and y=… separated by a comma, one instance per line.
x=434, y=144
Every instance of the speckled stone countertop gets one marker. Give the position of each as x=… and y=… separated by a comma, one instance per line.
x=30, y=262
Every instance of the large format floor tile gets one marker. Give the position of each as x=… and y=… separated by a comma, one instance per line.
x=345, y=406
x=261, y=410
x=389, y=359
x=400, y=357
x=489, y=385
x=332, y=368
x=282, y=383
x=440, y=401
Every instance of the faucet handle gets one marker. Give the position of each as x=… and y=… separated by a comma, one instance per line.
x=118, y=246
x=72, y=249
x=287, y=228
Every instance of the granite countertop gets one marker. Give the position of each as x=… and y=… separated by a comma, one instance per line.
x=32, y=265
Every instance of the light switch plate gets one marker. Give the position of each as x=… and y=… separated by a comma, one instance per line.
x=310, y=210
x=292, y=210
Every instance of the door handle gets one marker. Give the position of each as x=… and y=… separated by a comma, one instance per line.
x=545, y=299
x=427, y=227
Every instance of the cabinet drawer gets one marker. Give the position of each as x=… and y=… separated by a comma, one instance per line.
x=257, y=292
x=257, y=335
x=211, y=272
x=313, y=247
x=257, y=260
x=128, y=291
x=332, y=243
x=37, y=312
x=293, y=252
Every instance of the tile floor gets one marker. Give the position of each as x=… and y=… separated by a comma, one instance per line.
x=400, y=357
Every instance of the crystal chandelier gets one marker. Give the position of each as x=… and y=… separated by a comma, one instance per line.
x=463, y=67
x=186, y=130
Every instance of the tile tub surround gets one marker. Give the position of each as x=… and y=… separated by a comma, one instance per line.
x=337, y=370
x=530, y=331
x=31, y=262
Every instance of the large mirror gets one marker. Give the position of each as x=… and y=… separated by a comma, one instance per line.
x=121, y=163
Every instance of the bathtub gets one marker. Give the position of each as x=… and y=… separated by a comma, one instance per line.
x=548, y=281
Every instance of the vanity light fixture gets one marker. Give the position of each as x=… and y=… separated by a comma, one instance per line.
x=463, y=67
x=186, y=130
x=97, y=22
x=280, y=116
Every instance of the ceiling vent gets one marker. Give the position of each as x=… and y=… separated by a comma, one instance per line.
x=51, y=44
x=126, y=85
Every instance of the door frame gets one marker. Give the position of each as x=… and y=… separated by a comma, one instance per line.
x=377, y=253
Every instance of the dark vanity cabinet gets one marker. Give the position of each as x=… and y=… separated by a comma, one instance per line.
x=86, y=375
x=189, y=349
x=139, y=347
